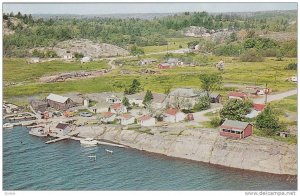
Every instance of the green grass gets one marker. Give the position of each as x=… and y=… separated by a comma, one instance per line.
x=17, y=70
x=288, y=104
x=291, y=139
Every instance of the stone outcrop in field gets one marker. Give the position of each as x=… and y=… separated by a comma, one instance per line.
x=252, y=153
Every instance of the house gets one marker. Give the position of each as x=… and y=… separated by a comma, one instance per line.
x=147, y=61
x=173, y=115
x=164, y=66
x=78, y=99
x=100, y=107
x=136, y=99
x=67, y=56
x=39, y=106
x=86, y=59
x=256, y=109
x=236, y=129
x=118, y=108
x=215, y=97
x=146, y=121
x=59, y=102
x=62, y=128
x=113, y=99
x=34, y=60
x=107, y=117
x=127, y=119
x=158, y=100
x=237, y=95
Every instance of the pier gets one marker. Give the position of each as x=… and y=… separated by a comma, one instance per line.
x=57, y=139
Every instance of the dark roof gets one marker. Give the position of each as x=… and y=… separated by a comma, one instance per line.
x=235, y=124
x=62, y=125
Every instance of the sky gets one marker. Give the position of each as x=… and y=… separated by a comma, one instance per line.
x=120, y=8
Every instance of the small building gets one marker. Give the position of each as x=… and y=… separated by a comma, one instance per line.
x=62, y=128
x=118, y=108
x=173, y=115
x=127, y=119
x=39, y=106
x=164, y=66
x=86, y=59
x=67, y=56
x=59, y=102
x=284, y=134
x=100, y=107
x=158, y=100
x=236, y=129
x=34, y=60
x=146, y=121
x=147, y=61
x=256, y=109
x=113, y=99
x=107, y=117
x=237, y=95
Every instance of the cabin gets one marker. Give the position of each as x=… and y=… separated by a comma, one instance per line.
x=146, y=121
x=86, y=59
x=107, y=117
x=118, y=108
x=59, y=102
x=237, y=95
x=127, y=119
x=164, y=66
x=173, y=115
x=39, y=106
x=236, y=129
x=62, y=128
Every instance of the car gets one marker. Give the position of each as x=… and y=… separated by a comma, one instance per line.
x=86, y=114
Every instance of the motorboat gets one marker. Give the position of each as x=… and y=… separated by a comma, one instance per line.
x=89, y=142
x=8, y=126
x=39, y=131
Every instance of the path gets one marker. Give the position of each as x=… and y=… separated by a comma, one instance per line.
x=200, y=116
x=276, y=97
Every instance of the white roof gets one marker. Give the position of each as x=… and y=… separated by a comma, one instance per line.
x=57, y=98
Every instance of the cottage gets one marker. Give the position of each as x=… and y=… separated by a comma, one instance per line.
x=100, y=107
x=173, y=115
x=158, y=100
x=62, y=128
x=127, y=119
x=236, y=129
x=39, y=106
x=107, y=117
x=86, y=59
x=118, y=108
x=237, y=95
x=34, y=60
x=146, y=121
x=147, y=61
x=164, y=66
x=67, y=56
x=59, y=102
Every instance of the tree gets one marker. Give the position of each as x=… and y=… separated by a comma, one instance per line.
x=235, y=109
x=78, y=55
x=125, y=101
x=134, y=87
x=202, y=104
x=268, y=122
x=210, y=82
x=148, y=98
x=134, y=50
x=291, y=66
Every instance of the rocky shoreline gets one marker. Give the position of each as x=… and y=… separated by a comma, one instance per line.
x=205, y=145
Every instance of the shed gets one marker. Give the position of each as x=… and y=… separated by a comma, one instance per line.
x=146, y=120
x=236, y=129
x=63, y=128
x=59, y=102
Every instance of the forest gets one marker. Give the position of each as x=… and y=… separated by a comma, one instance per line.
x=31, y=33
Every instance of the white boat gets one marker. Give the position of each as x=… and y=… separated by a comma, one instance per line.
x=89, y=142
x=8, y=126
x=38, y=132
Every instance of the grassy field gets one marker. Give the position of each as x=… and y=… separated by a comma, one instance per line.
x=17, y=70
x=259, y=73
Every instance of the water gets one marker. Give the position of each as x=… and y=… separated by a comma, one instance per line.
x=34, y=165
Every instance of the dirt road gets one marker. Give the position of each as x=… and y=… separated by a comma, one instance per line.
x=276, y=97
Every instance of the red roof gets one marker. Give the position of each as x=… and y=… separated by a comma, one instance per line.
x=126, y=116
x=107, y=114
x=116, y=106
x=145, y=117
x=237, y=94
x=171, y=111
x=259, y=107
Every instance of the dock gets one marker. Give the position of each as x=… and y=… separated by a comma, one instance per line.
x=57, y=139
x=101, y=142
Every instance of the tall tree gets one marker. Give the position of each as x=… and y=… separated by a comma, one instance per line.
x=235, y=109
x=268, y=122
x=148, y=97
x=210, y=82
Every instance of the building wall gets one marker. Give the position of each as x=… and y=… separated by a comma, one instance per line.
x=169, y=118
x=127, y=121
x=60, y=106
x=248, y=131
x=150, y=122
x=137, y=102
x=233, y=135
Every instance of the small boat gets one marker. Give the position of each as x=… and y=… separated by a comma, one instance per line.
x=109, y=151
x=38, y=132
x=89, y=142
x=8, y=126
x=93, y=156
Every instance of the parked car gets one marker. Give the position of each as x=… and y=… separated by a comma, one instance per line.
x=86, y=114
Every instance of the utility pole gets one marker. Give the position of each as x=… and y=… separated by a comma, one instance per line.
x=266, y=93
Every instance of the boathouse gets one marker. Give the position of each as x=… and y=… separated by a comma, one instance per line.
x=236, y=129
x=59, y=102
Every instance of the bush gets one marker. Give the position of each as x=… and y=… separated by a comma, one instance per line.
x=78, y=55
x=291, y=66
x=251, y=55
x=216, y=121
x=235, y=109
x=202, y=104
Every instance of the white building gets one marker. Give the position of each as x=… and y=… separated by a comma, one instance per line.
x=34, y=60
x=108, y=117
x=173, y=115
x=86, y=59
x=127, y=119
x=118, y=108
x=68, y=56
x=100, y=107
x=146, y=121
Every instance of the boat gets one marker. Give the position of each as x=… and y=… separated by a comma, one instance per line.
x=109, y=151
x=89, y=142
x=8, y=126
x=39, y=131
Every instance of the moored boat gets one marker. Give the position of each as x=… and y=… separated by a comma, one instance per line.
x=89, y=142
x=8, y=126
x=40, y=132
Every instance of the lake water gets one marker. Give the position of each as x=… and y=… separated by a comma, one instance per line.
x=30, y=164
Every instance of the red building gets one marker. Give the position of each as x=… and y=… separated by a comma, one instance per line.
x=236, y=129
x=164, y=66
x=259, y=107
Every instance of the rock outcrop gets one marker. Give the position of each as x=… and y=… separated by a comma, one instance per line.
x=252, y=153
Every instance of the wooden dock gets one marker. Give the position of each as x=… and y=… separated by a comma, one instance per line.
x=57, y=139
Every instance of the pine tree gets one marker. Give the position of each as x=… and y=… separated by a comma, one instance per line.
x=148, y=97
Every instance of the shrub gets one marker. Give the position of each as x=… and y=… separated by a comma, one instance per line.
x=291, y=66
x=202, y=104
x=251, y=55
x=216, y=121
